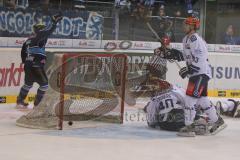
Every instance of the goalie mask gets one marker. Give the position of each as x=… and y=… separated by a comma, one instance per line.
x=162, y=85
x=38, y=27
x=166, y=40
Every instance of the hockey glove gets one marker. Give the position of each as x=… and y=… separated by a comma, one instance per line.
x=174, y=54
x=56, y=18
x=170, y=54
x=183, y=72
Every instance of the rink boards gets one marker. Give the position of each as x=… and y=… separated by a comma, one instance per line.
x=225, y=68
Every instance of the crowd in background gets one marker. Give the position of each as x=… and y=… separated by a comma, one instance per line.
x=156, y=10
x=166, y=16
x=230, y=36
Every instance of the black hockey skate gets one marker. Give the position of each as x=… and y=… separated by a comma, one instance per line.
x=21, y=105
x=217, y=126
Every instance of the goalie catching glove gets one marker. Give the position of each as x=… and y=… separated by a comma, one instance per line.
x=171, y=54
x=190, y=69
x=56, y=18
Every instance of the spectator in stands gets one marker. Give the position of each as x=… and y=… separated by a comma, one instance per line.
x=137, y=29
x=42, y=4
x=141, y=12
x=124, y=6
x=164, y=25
x=178, y=13
x=9, y=3
x=161, y=14
x=177, y=25
x=22, y=4
x=162, y=11
x=229, y=36
x=1, y=3
x=79, y=4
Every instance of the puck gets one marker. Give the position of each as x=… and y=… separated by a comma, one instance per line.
x=70, y=123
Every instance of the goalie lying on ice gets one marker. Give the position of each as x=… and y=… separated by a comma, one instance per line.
x=165, y=110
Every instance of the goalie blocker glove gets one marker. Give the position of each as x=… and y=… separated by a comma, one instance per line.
x=190, y=69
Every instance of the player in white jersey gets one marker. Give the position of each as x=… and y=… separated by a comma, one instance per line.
x=199, y=73
x=198, y=70
x=229, y=107
x=166, y=110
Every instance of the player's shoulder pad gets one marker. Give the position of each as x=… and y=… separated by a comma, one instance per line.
x=193, y=38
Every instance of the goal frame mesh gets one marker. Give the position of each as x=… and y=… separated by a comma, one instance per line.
x=52, y=111
x=66, y=56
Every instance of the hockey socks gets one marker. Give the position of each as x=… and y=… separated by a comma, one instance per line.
x=40, y=93
x=23, y=94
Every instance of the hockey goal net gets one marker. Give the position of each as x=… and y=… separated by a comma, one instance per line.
x=82, y=87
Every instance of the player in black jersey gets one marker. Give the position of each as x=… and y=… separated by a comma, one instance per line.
x=34, y=58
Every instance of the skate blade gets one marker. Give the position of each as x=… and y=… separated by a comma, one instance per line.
x=190, y=134
x=23, y=109
x=219, y=129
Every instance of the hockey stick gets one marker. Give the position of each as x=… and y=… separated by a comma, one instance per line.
x=160, y=40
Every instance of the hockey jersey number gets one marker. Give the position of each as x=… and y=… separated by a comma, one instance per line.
x=165, y=104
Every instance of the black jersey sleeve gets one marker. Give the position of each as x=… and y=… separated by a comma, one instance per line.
x=24, y=52
x=54, y=20
x=46, y=32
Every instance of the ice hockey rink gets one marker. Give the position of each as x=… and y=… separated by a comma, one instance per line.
x=131, y=141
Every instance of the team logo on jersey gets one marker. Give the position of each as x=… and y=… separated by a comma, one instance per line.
x=193, y=38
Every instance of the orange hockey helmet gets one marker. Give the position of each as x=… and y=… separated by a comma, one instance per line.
x=193, y=21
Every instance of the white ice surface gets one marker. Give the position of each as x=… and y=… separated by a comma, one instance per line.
x=130, y=141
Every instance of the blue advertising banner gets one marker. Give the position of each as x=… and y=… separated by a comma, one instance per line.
x=74, y=25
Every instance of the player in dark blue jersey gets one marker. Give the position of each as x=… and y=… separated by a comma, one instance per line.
x=34, y=58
